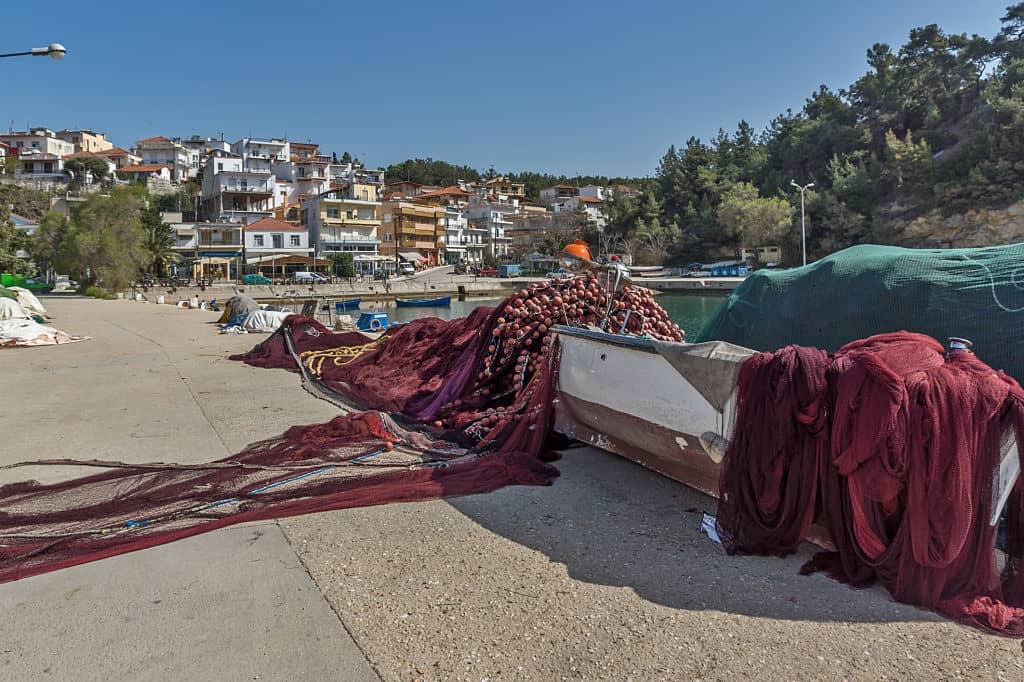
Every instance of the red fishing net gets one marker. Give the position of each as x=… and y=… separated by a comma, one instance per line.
x=459, y=407
x=896, y=450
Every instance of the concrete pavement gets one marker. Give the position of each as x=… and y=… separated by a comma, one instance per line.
x=154, y=384
x=604, y=575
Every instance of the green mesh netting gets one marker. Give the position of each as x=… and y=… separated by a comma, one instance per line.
x=864, y=290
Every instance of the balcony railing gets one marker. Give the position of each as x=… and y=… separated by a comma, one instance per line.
x=246, y=189
x=204, y=241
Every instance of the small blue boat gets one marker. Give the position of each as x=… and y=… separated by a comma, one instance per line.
x=439, y=302
x=349, y=304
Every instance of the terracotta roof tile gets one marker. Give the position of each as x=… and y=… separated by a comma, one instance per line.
x=273, y=225
x=158, y=138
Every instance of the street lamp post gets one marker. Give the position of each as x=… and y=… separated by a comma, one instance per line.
x=803, y=219
x=53, y=50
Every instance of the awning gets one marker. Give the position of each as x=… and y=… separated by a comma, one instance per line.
x=290, y=259
x=411, y=256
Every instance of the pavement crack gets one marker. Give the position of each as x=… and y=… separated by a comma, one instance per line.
x=184, y=380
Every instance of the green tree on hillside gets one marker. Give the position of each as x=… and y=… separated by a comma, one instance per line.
x=753, y=220
x=12, y=240
x=105, y=241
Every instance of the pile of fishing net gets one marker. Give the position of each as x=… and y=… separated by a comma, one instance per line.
x=901, y=453
x=456, y=407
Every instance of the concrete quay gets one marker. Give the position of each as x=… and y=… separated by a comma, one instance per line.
x=603, y=575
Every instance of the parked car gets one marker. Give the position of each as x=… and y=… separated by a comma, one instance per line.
x=486, y=272
x=256, y=279
x=461, y=269
x=311, y=278
x=406, y=269
x=559, y=274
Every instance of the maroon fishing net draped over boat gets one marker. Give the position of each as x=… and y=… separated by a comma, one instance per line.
x=896, y=450
x=458, y=407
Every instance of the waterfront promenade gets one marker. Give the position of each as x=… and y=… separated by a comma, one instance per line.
x=603, y=575
x=440, y=281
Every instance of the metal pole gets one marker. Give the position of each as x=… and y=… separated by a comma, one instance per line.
x=803, y=226
x=803, y=218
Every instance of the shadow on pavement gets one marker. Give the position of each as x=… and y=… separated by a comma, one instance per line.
x=612, y=522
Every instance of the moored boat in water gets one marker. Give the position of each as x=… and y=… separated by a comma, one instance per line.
x=438, y=302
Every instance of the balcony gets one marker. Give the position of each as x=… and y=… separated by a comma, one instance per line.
x=236, y=189
x=206, y=240
x=357, y=222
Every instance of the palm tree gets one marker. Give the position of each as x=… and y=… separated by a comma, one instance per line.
x=158, y=241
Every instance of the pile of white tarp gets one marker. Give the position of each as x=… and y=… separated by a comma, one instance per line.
x=258, y=321
x=21, y=332
x=28, y=301
x=12, y=310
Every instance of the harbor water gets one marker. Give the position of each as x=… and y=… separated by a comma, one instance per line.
x=689, y=311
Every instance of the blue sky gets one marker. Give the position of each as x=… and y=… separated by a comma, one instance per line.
x=573, y=87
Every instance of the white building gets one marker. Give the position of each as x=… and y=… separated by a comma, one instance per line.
x=261, y=155
x=491, y=217
x=592, y=206
x=234, y=193
x=272, y=237
x=39, y=140
x=42, y=166
x=160, y=150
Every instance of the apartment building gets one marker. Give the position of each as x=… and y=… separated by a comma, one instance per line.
x=411, y=232
x=235, y=193
x=346, y=219
x=460, y=241
x=37, y=140
x=160, y=150
x=86, y=140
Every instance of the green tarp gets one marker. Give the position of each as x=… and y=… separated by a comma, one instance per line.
x=972, y=293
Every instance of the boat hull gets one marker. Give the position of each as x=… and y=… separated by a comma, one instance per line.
x=620, y=395
x=441, y=302
x=349, y=304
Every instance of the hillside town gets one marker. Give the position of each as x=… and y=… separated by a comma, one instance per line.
x=273, y=206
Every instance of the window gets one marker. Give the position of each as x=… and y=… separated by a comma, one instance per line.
x=366, y=195
x=220, y=166
x=278, y=241
x=257, y=240
x=334, y=213
x=295, y=240
x=35, y=145
x=388, y=237
x=350, y=214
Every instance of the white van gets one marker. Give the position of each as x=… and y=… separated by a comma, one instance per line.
x=309, y=278
x=406, y=269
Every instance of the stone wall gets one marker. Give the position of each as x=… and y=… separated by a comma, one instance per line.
x=979, y=227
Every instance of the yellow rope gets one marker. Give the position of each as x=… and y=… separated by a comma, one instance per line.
x=315, y=359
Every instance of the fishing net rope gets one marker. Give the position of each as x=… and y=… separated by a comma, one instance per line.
x=896, y=450
x=456, y=407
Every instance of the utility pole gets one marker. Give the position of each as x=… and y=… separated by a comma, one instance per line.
x=803, y=218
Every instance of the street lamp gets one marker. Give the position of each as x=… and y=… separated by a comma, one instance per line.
x=53, y=50
x=803, y=219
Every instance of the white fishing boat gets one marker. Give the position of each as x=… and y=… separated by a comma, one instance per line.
x=651, y=402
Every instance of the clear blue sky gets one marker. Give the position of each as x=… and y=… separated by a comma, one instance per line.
x=562, y=86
